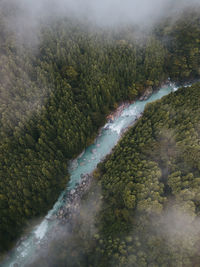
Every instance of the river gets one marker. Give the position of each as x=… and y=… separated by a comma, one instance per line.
x=108, y=137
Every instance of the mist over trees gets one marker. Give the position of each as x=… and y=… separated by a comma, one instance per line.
x=26, y=15
x=55, y=95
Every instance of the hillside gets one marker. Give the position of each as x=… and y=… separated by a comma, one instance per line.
x=151, y=187
x=143, y=207
x=55, y=96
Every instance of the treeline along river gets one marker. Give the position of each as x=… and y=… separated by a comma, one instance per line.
x=80, y=170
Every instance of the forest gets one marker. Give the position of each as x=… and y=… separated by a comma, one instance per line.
x=147, y=212
x=54, y=98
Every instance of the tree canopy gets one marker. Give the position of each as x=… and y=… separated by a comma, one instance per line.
x=54, y=98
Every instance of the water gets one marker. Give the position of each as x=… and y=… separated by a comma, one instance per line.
x=85, y=163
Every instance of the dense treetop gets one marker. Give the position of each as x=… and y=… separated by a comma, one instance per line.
x=150, y=194
x=151, y=187
x=55, y=96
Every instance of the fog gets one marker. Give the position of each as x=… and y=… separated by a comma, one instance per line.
x=100, y=12
x=175, y=232
x=25, y=17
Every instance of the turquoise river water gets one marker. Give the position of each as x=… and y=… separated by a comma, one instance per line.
x=108, y=137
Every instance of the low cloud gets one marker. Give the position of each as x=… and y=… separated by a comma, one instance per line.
x=28, y=13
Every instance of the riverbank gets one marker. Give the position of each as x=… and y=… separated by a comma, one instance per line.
x=69, y=202
x=67, y=213
x=72, y=198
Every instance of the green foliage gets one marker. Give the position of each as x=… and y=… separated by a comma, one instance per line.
x=147, y=187
x=150, y=212
x=53, y=101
